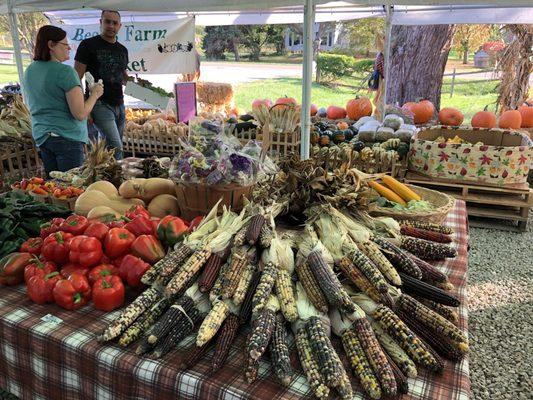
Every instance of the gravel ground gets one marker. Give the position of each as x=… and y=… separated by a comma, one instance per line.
x=500, y=296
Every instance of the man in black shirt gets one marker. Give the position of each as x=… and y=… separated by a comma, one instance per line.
x=106, y=59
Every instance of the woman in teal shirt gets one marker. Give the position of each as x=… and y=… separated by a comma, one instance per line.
x=53, y=93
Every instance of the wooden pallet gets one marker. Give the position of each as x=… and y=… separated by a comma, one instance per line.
x=18, y=159
x=487, y=202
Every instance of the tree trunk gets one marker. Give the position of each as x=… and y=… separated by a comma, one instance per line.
x=236, y=51
x=465, y=56
x=417, y=61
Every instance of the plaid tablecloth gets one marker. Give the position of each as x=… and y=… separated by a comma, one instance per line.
x=50, y=353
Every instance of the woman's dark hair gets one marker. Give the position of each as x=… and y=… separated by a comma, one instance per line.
x=41, y=52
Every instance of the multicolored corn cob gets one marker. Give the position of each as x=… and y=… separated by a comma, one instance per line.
x=310, y=365
x=279, y=351
x=212, y=322
x=415, y=286
x=427, y=250
x=254, y=228
x=209, y=274
x=308, y=280
x=224, y=340
x=371, y=250
x=429, y=226
x=397, y=257
x=264, y=288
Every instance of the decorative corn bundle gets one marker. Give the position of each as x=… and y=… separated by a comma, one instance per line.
x=399, y=377
x=414, y=286
x=358, y=279
x=265, y=236
x=393, y=349
x=210, y=273
x=194, y=354
x=371, y=250
x=246, y=307
x=310, y=366
x=129, y=314
x=397, y=257
x=308, y=280
x=212, y=322
x=262, y=327
x=237, y=265
x=171, y=262
x=431, y=319
x=243, y=285
x=283, y=258
x=425, y=234
x=429, y=226
x=189, y=269
x=141, y=324
x=264, y=288
x=375, y=355
x=173, y=316
x=279, y=352
x=254, y=228
x=445, y=311
x=429, y=272
x=442, y=345
x=427, y=250
x=224, y=340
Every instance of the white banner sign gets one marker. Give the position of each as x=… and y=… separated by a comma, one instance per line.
x=153, y=47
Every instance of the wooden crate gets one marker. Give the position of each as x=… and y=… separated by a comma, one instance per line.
x=510, y=203
x=281, y=144
x=151, y=144
x=18, y=160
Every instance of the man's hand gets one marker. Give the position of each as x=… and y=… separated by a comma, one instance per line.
x=80, y=69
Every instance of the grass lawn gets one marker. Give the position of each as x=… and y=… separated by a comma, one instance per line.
x=8, y=73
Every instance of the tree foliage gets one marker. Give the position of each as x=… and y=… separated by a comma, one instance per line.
x=470, y=37
x=28, y=25
x=362, y=33
x=219, y=39
x=255, y=37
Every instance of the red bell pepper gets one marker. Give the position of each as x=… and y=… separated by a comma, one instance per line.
x=118, y=242
x=118, y=261
x=148, y=248
x=155, y=221
x=75, y=224
x=50, y=227
x=72, y=268
x=119, y=223
x=194, y=223
x=32, y=245
x=140, y=226
x=72, y=293
x=38, y=268
x=170, y=230
x=56, y=247
x=132, y=269
x=12, y=268
x=108, y=293
x=105, y=260
x=97, y=230
x=101, y=271
x=85, y=250
x=136, y=211
x=40, y=288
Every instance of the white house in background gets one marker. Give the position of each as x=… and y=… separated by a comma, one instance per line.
x=332, y=37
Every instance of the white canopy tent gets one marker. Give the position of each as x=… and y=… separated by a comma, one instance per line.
x=230, y=12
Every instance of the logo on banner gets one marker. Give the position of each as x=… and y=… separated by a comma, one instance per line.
x=175, y=47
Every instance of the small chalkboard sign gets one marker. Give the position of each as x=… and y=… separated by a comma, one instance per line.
x=185, y=95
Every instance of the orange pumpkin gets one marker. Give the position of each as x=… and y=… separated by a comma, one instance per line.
x=451, y=116
x=511, y=119
x=422, y=110
x=314, y=109
x=342, y=125
x=235, y=111
x=257, y=102
x=526, y=111
x=359, y=107
x=286, y=100
x=484, y=119
x=336, y=112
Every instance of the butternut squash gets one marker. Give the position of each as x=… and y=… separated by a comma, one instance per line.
x=105, y=187
x=103, y=214
x=146, y=189
x=387, y=193
x=163, y=205
x=400, y=189
x=94, y=198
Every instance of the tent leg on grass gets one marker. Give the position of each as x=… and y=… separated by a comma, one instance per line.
x=309, y=18
x=13, y=27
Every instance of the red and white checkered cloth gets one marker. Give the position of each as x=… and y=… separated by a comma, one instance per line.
x=43, y=359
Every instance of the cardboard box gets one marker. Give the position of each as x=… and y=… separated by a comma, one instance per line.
x=491, y=156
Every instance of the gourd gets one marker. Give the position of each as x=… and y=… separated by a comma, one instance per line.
x=451, y=116
x=105, y=187
x=322, y=113
x=146, y=189
x=527, y=115
x=342, y=125
x=423, y=110
x=367, y=133
x=286, y=100
x=164, y=204
x=362, y=121
x=336, y=112
x=358, y=108
x=405, y=133
x=338, y=137
x=103, y=214
x=484, y=119
x=383, y=133
x=511, y=119
x=313, y=109
x=94, y=198
x=392, y=121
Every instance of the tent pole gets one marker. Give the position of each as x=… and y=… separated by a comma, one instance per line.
x=309, y=19
x=13, y=27
x=386, y=56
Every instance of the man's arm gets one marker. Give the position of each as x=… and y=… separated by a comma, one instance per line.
x=125, y=77
x=80, y=68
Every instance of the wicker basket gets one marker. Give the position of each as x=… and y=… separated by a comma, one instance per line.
x=67, y=203
x=441, y=202
x=198, y=199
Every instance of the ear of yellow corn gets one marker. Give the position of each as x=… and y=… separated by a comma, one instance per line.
x=285, y=293
x=266, y=283
x=237, y=265
x=212, y=322
x=243, y=285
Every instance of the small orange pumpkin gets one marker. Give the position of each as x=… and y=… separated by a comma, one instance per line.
x=359, y=107
x=336, y=112
x=286, y=100
x=422, y=110
x=314, y=109
x=511, y=119
x=526, y=111
x=451, y=116
x=484, y=119
x=342, y=125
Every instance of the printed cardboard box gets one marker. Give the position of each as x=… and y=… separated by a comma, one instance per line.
x=491, y=156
